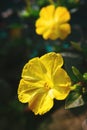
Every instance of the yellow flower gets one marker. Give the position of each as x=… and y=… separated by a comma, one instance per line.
x=43, y=80
x=53, y=23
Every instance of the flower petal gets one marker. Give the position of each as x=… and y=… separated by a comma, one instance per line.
x=61, y=78
x=62, y=84
x=27, y=90
x=41, y=103
x=52, y=61
x=61, y=93
x=47, y=12
x=42, y=24
x=33, y=70
x=47, y=28
x=53, y=31
x=46, y=34
x=65, y=30
x=61, y=15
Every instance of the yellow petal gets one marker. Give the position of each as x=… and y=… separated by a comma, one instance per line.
x=62, y=84
x=53, y=33
x=65, y=30
x=33, y=70
x=47, y=12
x=27, y=90
x=48, y=29
x=40, y=30
x=23, y=90
x=41, y=103
x=41, y=26
x=61, y=93
x=61, y=78
x=46, y=34
x=61, y=15
x=52, y=61
x=40, y=23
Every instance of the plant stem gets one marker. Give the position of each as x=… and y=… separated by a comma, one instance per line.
x=28, y=5
x=51, y=1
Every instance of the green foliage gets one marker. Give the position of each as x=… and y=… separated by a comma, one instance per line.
x=77, y=73
x=85, y=76
x=74, y=100
x=78, y=95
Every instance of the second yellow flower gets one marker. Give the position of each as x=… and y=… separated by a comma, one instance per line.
x=53, y=23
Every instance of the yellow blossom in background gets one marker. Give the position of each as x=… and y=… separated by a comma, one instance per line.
x=53, y=22
x=43, y=80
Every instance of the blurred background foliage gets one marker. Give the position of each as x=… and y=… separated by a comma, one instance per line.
x=19, y=43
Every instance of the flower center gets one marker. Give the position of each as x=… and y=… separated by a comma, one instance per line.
x=46, y=86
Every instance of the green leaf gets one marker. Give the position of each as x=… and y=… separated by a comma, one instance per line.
x=85, y=76
x=24, y=13
x=77, y=73
x=76, y=46
x=74, y=100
